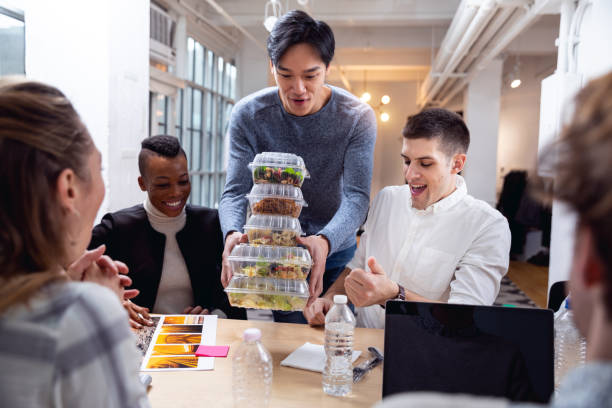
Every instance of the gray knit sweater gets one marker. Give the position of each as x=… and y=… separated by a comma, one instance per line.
x=337, y=145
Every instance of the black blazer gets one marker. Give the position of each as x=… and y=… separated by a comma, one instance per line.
x=130, y=238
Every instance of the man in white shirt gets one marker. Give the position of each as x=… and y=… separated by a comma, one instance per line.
x=427, y=240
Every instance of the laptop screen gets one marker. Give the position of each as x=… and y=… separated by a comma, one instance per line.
x=479, y=350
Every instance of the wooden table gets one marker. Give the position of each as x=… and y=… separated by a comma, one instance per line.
x=291, y=387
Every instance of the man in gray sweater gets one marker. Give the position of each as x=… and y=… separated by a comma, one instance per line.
x=328, y=127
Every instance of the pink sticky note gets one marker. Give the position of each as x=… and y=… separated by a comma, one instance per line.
x=212, y=351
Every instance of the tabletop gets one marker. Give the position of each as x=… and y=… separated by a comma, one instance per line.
x=291, y=387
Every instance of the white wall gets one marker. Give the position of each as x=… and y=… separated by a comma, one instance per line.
x=97, y=54
x=387, y=161
x=482, y=105
x=519, y=115
x=252, y=65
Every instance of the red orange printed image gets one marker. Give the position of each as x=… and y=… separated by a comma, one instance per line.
x=175, y=350
x=181, y=328
x=173, y=362
x=195, y=319
x=179, y=339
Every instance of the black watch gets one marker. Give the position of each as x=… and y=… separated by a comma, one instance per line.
x=401, y=295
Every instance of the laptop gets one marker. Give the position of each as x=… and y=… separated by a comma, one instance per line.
x=481, y=350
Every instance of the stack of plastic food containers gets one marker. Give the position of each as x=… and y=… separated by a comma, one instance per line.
x=270, y=271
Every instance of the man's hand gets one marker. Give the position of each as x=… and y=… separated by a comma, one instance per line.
x=315, y=313
x=197, y=310
x=318, y=247
x=231, y=241
x=139, y=316
x=370, y=288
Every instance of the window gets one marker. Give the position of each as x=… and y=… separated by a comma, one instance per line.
x=12, y=41
x=203, y=112
x=158, y=112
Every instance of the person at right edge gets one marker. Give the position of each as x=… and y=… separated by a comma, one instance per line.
x=328, y=127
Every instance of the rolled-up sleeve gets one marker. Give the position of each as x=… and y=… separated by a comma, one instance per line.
x=479, y=272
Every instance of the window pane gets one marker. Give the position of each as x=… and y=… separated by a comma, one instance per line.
x=12, y=48
x=210, y=109
x=161, y=114
x=179, y=116
x=212, y=191
x=199, y=64
x=232, y=93
x=188, y=132
x=227, y=72
x=194, y=198
x=220, y=65
x=190, y=57
x=186, y=114
x=196, y=154
x=197, y=109
x=210, y=72
x=204, y=192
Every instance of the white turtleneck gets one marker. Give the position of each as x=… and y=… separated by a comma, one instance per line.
x=174, y=293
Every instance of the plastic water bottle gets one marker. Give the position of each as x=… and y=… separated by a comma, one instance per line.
x=570, y=346
x=251, y=372
x=339, y=332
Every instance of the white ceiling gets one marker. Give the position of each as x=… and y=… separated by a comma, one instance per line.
x=392, y=40
x=415, y=13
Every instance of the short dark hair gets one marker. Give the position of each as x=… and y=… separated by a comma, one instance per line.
x=449, y=127
x=297, y=27
x=160, y=145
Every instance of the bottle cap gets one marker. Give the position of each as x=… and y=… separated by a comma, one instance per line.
x=251, y=334
x=340, y=299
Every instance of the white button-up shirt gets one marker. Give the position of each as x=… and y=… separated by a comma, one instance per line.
x=455, y=250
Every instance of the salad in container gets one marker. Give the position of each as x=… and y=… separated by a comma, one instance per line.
x=279, y=230
x=278, y=168
x=267, y=293
x=276, y=199
x=292, y=263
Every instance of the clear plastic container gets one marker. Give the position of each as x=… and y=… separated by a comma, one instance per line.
x=278, y=230
x=270, y=261
x=276, y=199
x=267, y=293
x=252, y=371
x=339, y=334
x=278, y=168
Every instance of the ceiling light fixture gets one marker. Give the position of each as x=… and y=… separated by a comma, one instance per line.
x=515, y=75
x=272, y=14
x=366, y=97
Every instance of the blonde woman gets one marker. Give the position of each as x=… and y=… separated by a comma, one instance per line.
x=62, y=343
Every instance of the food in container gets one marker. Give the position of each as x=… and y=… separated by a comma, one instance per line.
x=276, y=199
x=267, y=293
x=277, y=230
x=270, y=261
x=278, y=168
